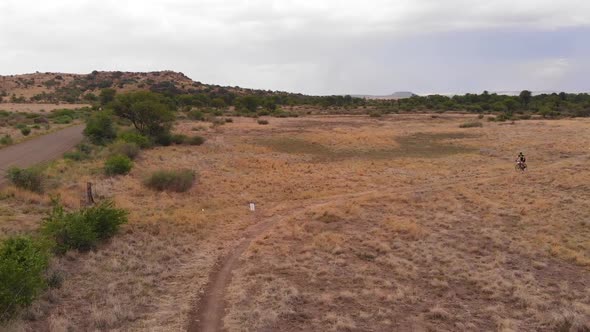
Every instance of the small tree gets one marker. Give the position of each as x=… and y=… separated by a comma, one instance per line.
x=107, y=95
x=525, y=97
x=149, y=112
x=100, y=128
x=22, y=263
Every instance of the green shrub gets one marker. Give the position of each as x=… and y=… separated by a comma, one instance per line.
x=100, y=128
x=62, y=120
x=163, y=139
x=83, y=229
x=118, y=164
x=492, y=118
x=196, y=115
x=20, y=126
x=82, y=152
x=26, y=178
x=6, y=140
x=25, y=131
x=196, y=140
x=524, y=117
x=36, y=127
x=131, y=150
x=480, y=116
x=179, y=181
x=178, y=138
x=471, y=124
x=75, y=155
x=139, y=139
x=262, y=122
x=22, y=264
x=375, y=114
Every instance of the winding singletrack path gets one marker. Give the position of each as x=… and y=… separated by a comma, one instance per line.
x=209, y=310
x=40, y=149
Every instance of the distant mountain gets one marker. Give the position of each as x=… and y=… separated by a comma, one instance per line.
x=395, y=95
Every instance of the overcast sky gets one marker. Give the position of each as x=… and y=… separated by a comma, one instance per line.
x=310, y=46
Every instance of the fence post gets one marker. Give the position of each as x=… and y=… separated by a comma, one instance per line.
x=89, y=197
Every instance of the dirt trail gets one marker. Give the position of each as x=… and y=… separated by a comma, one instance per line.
x=40, y=149
x=208, y=313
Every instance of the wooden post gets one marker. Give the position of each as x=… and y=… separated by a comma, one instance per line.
x=89, y=198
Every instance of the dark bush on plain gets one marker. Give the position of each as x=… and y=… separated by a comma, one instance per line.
x=25, y=131
x=196, y=140
x=118, y=164
x=179, y=181
x=26, y=178
x=263, y=122
x=83, y=229
x=472, y=124
x=196, y=115
x=131, y=150
x=139, y=139
x=6, y=140
x=75, y=155
x=163, y=139
x=100, y=128
x=178, y=138
x=229, y=120
x=22, y=264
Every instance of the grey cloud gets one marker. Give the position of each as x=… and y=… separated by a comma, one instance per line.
x=317, y=47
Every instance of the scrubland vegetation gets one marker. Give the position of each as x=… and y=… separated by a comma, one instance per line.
x=198, y=101
x=381, y=222
x=405, y=222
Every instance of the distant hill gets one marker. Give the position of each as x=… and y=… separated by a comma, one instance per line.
x=395, y=95
x=73, y=88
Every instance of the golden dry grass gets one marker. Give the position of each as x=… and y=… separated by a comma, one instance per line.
x=405, y=222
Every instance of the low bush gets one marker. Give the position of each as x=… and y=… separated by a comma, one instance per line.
x=480, y=116
x=196, y=115
x=82, y=152
x=163, y=139
x=196, y=140
x=139, y=139
x=131, y=150
x=472, y=124
x=375, y=114
x=262, y=122
x=25, y=131
x=75, y=155
x=229, y=120
x=492, y=118
x=26, y=178
x=62, y=120
x=178, y=138
x=6, y=140
x=22, y=264
x=118, y=164
x=179, y=181
x=83, y=229
x=524, y=117
x=100, y=128
x=20, y=126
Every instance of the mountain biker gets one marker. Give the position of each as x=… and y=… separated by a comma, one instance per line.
x=521, y=159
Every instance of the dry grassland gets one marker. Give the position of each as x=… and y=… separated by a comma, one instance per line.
x=405, y=222
x=38, y=108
